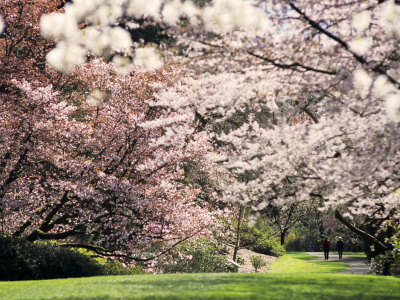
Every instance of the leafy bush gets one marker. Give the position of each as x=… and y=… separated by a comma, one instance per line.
x=199, y=256
x=386, y=264
x=306, y=242
x=24, y=260
x=115, y=268
x=240, y=260
x=258, y=241
x=257, y=262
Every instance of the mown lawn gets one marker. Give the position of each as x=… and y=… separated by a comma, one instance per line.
x=355, y=254
x=318, y=283
x=299, y=262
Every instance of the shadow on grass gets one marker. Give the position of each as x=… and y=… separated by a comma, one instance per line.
x=249, y=286
x=299, y=286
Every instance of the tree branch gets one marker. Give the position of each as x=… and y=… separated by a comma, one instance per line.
x=292, y=66
x=38, y=234
x=360, y=232
x=46, y=226
x=342, y=43
x=110, y=253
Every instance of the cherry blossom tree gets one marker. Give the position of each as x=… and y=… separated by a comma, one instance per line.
x=75, y=164
x=87, y=171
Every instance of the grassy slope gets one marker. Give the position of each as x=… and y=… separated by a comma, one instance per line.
x=310, y=281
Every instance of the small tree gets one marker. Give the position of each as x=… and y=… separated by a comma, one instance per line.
x=257, y=262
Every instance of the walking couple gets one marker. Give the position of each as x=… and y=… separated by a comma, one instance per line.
x=326, y=246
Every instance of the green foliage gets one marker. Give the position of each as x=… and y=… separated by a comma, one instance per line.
x=259, y=241
x=386, y=264
x=240, y=260
x=115, y=268
x=257, y=262
x=199, y=256
x=24, y=260
x=111, y=267
x=303, y=241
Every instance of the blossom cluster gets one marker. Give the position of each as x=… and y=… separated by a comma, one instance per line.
x=103, y=36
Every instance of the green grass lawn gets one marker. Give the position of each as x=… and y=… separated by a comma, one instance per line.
x=290, y=282
x=300, y=262
x=355, y=254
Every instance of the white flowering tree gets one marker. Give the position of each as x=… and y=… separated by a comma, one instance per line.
x=334, y=65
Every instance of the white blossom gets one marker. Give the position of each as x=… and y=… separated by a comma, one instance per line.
x=148, y=59
x=360, y=45
x=122, y=64
x=382, y=86
x=190, y=11
x=95, y=98
x=225, y=15
x=392, y=102
x=65, y=57
x=139, y=8
x=120, y=39
x=59, y=26
x=95, y=40
x=362, y=81
x=361, y=21
x=1, y=24
x=81, y=8
x=390, y=18
x=107, y=14
x=172, y=11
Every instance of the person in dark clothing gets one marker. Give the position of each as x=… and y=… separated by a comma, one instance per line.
x=326, y=246
x=339, y=247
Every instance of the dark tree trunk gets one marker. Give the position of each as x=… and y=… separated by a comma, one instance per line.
x=237, y=241
x=283, y=236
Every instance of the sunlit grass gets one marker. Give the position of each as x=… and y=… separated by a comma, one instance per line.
x=295, y=276
x=299, y=262
x=208, y=286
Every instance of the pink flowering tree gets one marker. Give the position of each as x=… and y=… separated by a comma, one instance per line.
x=77, y=167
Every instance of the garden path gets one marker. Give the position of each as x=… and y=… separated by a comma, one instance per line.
x=357, y=265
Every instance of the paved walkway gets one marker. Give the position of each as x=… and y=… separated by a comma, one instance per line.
x=357, y=265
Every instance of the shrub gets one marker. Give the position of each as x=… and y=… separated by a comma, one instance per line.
x=268, y=246
x=24, y=260
x=199, y=256
x=386, y=264
x=116, y=268
x=306, y=242
x=257, y=262
x=260, y=242
x=240, y=260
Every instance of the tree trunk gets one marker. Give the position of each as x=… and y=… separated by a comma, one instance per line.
x=283, y=236
x=237, y=241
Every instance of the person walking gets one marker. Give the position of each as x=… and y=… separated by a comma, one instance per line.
x=326, y=246
x=340, y=247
